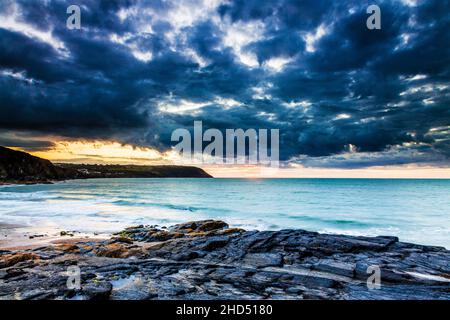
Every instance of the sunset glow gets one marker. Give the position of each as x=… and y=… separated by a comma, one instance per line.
x=110, y=152
x=101, y=152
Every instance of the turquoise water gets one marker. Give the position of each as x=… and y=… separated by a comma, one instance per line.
x=414, y=210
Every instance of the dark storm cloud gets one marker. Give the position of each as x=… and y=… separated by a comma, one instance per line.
x=286, y=14
x=24, y=141
x=341, y=95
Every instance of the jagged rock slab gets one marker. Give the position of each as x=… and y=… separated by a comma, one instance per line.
x=208, y=260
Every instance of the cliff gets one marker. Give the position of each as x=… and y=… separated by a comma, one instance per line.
x=21, y=167
x=136, y=171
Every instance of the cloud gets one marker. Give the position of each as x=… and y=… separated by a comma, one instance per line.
x=139, y=69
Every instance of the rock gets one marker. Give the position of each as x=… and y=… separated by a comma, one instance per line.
x=212, y=225
x=122, y=240
x=261, y=260
x=36, y=236
x=199, y=226
x=207, y=260
x=97, y=290
x=191, y=229
x=86, y=248
x=187, y=226
x=37, y=294
x=336, y=267
x=162, y=235
x=113, y=250
x=198, y=234
x=186, y=256
x=12, y=259
x=12, y=272
x=67, y=247
x=231, y=231
x=214, y=243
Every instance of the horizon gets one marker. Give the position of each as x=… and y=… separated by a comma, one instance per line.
x=258, y=172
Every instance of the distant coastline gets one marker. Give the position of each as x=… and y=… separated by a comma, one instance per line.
x=17, y=167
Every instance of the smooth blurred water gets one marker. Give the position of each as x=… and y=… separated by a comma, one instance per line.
x=414, y=210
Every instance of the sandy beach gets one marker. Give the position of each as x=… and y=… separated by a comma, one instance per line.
x=20, y=237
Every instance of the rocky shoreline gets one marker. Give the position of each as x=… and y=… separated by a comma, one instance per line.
x=208, y=260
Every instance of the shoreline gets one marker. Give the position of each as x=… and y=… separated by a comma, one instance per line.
x=23, y=236
x=18, y=237
x=31, y=182
x=209, y=260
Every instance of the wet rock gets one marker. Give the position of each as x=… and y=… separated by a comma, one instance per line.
x=132, y=288
x=117, y=268
x=36, y=236
x=37, y=294
x=113, y=250
x=186, y=226
x=214, y=243
x=336, y=267
x=11, y=273
x=85, y=248
x=186, y=256
x=200, y=226
x=162, y=235
x=261, y=260
x=12, y=259
x=97, y=290
x=122, y=239
x=191, y=229
x=212, y=225
x=66, y=247
x=230, y=231
x=207, y=260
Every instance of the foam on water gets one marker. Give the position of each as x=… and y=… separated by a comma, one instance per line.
x=414, y=210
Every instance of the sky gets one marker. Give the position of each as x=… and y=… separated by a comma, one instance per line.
x=348, y=101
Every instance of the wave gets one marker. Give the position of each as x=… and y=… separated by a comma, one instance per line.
x=133, y=203
x=314, y=205
x=343, y=222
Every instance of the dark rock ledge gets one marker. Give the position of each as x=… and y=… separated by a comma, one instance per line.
x=208, y=260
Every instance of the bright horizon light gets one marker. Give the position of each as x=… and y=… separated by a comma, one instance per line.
x=110, y=152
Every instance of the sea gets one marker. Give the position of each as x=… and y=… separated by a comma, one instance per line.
x=415, y=210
